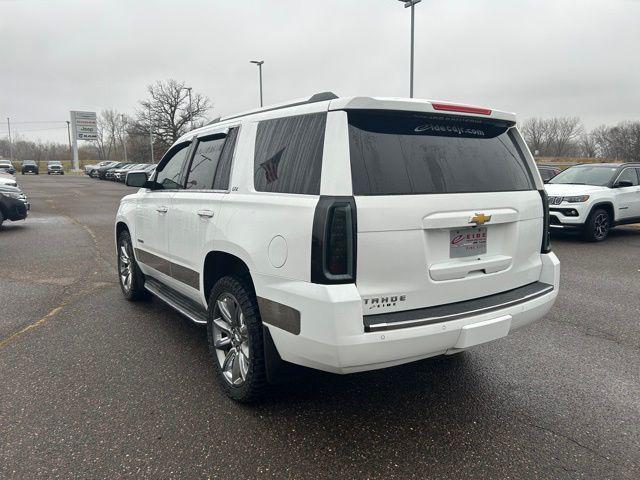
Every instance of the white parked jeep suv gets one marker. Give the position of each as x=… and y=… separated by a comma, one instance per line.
x=592, y=198
x=342, y=234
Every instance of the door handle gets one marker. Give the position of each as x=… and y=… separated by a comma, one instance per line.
x=205, y=213
x=162, y=209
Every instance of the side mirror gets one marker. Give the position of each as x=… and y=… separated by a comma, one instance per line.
x=623, y=183
x=136, y=179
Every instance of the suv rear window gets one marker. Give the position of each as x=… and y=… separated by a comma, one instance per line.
x=288, y=155
x=396, y=153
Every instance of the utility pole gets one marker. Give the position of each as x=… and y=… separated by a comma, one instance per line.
x=190, y=108
x=69, y=135
x=10, y=142
x=124, y=138
x=412, y=4
x=259, y=64
x=151, y=137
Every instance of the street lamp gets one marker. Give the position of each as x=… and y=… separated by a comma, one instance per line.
x=259, y=63
x=412, y=4
x=190, y=109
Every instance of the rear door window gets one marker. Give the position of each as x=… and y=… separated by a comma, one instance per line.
x=288, y=154
x=221, y=179
x=402, y=153
x=205, y=162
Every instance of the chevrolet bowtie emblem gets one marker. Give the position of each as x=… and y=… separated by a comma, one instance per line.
x=480, y=219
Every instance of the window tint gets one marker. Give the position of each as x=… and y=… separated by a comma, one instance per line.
x=221, y=180
x=204, y=163
x=413, y=153
x=628, y=175
x=169, y=177
x=288, y=156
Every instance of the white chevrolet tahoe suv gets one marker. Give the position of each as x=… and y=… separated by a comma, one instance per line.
x=342, y=234
x=592, y=198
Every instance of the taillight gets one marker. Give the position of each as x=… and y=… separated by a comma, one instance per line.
x=546, y=235
x=333, y=245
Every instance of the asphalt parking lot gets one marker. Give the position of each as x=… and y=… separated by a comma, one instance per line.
x=93, y=386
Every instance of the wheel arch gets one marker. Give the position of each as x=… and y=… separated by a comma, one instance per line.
x=120, y=227
x=605, y=205
x=217, y=264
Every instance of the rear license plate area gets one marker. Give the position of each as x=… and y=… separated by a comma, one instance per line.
x=467, y=242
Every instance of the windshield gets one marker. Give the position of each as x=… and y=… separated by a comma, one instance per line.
x=54, y=163
x=585, y=175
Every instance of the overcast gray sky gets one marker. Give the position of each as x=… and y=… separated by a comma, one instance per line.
x=536, y=58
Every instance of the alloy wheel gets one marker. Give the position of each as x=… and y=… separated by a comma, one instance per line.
x=231, y=339
x=125, y=268
x=601, y=226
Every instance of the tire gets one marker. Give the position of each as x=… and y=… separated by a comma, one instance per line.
x=1, y=218
x=235, y=339
x=598, y=225
x=130, y=277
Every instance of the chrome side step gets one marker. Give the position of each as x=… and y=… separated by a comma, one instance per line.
x=187, y=307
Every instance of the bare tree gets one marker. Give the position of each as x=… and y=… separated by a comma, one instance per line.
x=564, y=133
x=167, y=111
x=554, y=137
x=621, y=141
x=109, y=126
x=588, y=145
x=536, y=134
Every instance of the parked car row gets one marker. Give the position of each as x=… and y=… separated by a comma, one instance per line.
x=14, y=204
x=31, y=167
x=117, y=170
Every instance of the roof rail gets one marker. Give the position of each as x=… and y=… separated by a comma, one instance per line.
x=318, y=97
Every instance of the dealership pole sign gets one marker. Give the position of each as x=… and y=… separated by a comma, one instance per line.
x=84, y=126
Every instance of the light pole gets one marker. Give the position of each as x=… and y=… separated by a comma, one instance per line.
x=412, y=4
x=10, y=142
x=124, y=138
x=190, y=109
x=259, y=63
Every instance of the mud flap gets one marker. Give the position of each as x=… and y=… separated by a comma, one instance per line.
x=278, y=371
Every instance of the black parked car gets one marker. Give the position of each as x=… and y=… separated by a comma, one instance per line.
x=102, y=171
x=547, y=172
x=54, y=167
x=7, y=167
x=30, y=166
x=13, y=204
